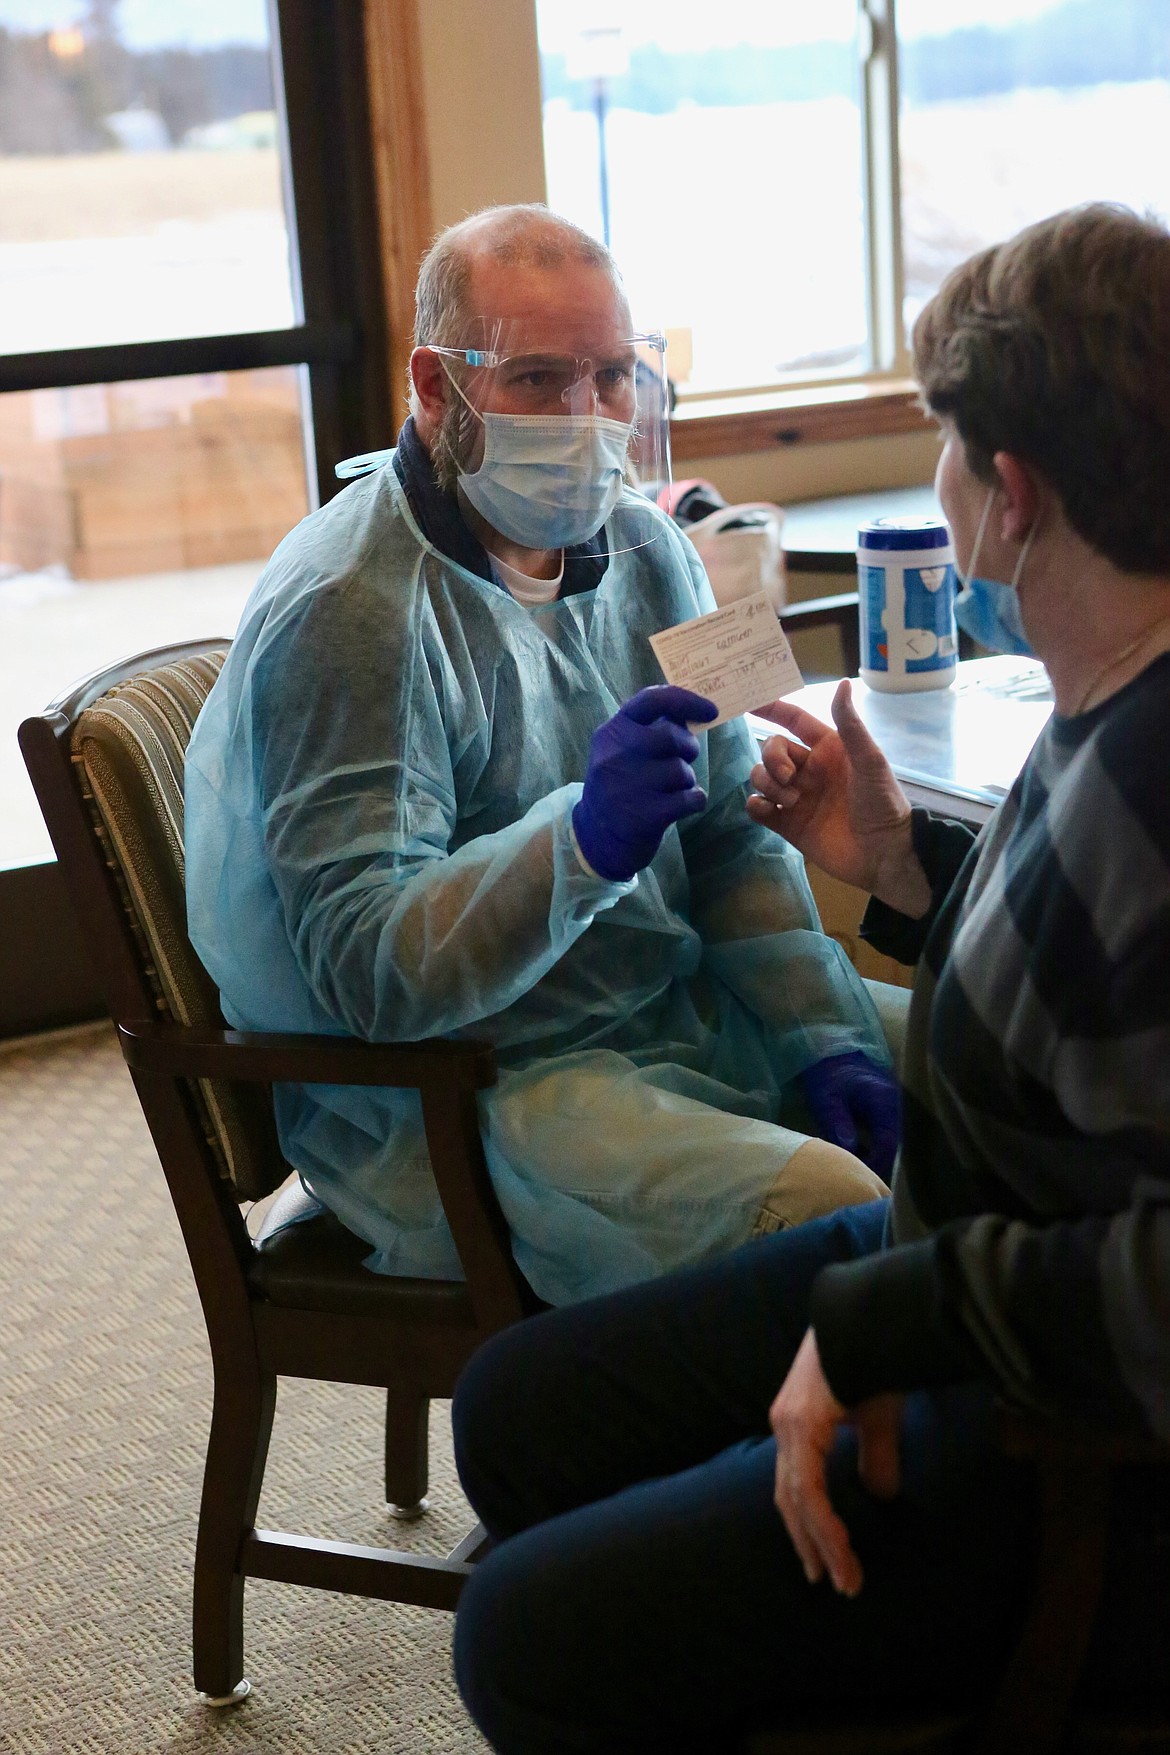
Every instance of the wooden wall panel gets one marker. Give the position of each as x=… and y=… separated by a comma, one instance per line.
x=46, y=976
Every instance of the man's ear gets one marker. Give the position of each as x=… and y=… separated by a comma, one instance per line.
x=1025, y=494
x=429, y=382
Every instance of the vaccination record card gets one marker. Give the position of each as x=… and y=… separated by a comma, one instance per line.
x=738, y=656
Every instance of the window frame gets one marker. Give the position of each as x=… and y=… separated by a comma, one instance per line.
x=872, y=407
x=356, y=206
x=884, y=399
x=322, y=98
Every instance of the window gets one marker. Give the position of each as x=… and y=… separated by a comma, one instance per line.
x=140, y=176
x=141, y=202
x=194, y=331
x=774, y=205
x=132, y=515
x=723, y=140
x=1013, y=109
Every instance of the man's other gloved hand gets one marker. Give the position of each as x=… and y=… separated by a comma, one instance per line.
x=639, y=780
x=856, y=1104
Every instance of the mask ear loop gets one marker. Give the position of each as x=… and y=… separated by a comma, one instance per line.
x=459, y=391
x=1018, y=570
x=969, y=574
x=468, y=408
x=1019, y=567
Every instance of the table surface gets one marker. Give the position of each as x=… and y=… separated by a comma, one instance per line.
x=821, y=535
x=958, y=749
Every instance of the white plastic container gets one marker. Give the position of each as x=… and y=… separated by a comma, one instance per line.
x=906, y=604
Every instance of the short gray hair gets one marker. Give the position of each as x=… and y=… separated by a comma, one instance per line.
x=527, y=236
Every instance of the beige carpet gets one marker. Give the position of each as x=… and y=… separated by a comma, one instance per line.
x=104, y=1405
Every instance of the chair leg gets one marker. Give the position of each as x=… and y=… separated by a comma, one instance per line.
x=1028, y=1713
x=241, y=1425
x=406, y=1454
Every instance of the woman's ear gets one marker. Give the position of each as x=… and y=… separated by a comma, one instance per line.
x=1024, y=494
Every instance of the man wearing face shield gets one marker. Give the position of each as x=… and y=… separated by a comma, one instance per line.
x=439, y=790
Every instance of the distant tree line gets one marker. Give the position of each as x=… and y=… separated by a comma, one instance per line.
x=57, y=102
x=1080, y=43
x=52, y=102
x=1066, y=47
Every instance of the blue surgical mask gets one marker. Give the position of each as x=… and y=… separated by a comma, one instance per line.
x=990, y=613
x=548, y=481
x=988, y=610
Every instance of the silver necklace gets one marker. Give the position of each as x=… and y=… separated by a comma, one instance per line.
x=1147, y=638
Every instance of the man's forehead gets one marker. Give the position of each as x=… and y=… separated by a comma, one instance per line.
x=572, y=307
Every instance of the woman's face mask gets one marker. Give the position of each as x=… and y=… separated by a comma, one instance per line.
x=988, y=610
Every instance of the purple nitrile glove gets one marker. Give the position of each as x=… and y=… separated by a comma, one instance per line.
x=856, y=1104
x=639, y=780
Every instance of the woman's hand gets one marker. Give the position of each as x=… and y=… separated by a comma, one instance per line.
x=804, y=1418
x=838, y=802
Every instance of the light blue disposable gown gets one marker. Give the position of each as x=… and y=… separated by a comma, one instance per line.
x=378, y=806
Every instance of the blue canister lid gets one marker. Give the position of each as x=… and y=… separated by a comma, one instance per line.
x=910, y=533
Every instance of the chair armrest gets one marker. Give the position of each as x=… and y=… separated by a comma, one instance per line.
x=264, y=1058
x=820, y=612
x=447, y=1076
x=838, y=611
x=1031, y=1705
x=1025, y=1434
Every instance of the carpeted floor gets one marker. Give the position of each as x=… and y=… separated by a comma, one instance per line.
x=104, y=1405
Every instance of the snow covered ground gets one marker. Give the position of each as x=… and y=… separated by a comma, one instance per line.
x=54, y=630
x=141, y=246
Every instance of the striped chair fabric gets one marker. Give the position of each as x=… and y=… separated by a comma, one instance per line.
x=129, y=750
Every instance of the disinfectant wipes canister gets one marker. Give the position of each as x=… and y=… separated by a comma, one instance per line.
x=906, y=597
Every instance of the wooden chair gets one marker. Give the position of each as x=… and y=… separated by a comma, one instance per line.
x=838, y=612
x=107, y=764
x=1035, y=1707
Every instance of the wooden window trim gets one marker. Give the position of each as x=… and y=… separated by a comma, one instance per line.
x=726, y=426
x=780, y=421
x=402, y=177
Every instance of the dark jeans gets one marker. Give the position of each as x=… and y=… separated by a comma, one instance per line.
x=645, y=1596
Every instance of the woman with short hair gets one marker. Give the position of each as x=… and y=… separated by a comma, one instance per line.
x=644, y=1593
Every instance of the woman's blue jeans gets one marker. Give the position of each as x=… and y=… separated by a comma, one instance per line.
x=644, y=1594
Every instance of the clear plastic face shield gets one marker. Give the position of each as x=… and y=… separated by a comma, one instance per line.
x=550, y=419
